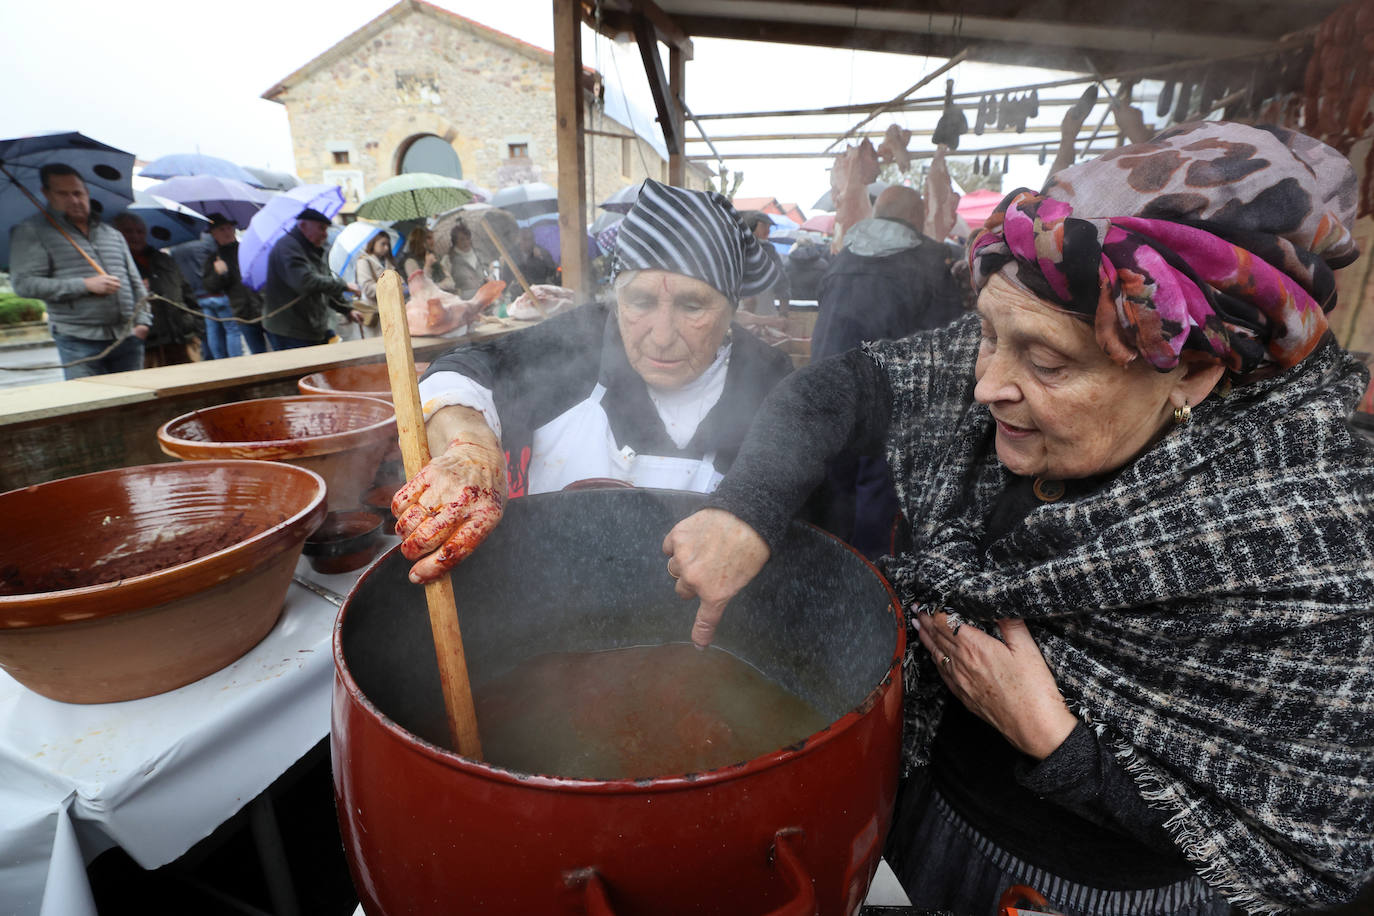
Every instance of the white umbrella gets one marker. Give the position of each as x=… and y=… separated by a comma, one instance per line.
x=348, y=244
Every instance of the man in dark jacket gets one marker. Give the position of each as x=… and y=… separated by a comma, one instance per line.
x=172, y=338
x=220, y=277
x=887, y=282
x=299, y=276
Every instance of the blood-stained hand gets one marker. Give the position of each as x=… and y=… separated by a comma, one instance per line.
x=713, y=555
x=456, y=500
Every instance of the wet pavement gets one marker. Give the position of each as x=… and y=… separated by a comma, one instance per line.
x=24, y=365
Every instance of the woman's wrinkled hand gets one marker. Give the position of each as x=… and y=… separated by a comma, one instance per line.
x=451, y=506
x=1006, y=682
x=713, y=555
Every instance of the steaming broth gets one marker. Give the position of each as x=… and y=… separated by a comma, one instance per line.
x=637, y=712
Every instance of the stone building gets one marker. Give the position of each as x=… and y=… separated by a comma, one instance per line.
x=420, y=89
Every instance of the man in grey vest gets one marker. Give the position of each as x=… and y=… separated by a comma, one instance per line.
x=89, y=312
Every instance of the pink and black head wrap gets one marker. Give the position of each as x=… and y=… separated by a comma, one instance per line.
x=1213, y=241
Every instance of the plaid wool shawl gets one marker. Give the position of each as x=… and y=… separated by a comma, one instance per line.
x=1209, y=611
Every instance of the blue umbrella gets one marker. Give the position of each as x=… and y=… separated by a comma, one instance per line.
x=168, y=222
x=273, y=181
x=208, y=195
x=180, y=164
x=106, y=171
x=276, y=219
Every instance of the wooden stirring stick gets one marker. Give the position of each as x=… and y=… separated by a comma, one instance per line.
x=514, y=268
x=410, y=429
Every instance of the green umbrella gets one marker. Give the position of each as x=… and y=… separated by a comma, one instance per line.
x=414, y=195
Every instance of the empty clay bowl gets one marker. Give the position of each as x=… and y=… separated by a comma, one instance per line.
x=341, y=437
x=344, y=542
x=370, y=380
x=125, y=583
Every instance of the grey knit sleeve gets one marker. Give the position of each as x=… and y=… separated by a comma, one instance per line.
x=812, y=416
x=1086, y=778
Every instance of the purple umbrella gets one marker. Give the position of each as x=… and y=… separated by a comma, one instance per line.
x=179, y=164
x=276, y=219
x=208, y=195
x=547, y=237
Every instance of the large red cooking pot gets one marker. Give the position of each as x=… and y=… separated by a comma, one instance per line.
x=798, y=830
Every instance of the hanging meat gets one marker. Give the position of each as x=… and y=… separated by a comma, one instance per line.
x=1339, y=81
x=952, y=124
x=854, y=170
x=941, y=201
x=894, y=147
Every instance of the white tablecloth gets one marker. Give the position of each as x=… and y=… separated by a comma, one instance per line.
x=155, y=776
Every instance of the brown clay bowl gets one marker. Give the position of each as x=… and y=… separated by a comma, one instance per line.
x=341, y=437
x=126, y=583
x=344, y=542
x=369, y=380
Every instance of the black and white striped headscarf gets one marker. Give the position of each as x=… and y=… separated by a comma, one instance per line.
x=695, y=233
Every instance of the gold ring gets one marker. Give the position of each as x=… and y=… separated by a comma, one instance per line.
x=670, y=568
x=945, y=661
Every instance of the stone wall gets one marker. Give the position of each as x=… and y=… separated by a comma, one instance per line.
x=480, y=91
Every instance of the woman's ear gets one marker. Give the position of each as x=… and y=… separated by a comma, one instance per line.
x=1196, y=383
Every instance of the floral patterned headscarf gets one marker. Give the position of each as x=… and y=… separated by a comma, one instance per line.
x=1213, y=241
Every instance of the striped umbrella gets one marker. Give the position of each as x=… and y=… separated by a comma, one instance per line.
x=414, y=195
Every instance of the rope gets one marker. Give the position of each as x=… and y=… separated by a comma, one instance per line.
x=129, y=332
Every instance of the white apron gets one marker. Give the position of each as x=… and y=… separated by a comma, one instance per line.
x=578, y=444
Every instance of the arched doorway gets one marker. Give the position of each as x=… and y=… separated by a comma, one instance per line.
x=429, y=153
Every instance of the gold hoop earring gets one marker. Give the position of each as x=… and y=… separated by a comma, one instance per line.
x=1181, y=414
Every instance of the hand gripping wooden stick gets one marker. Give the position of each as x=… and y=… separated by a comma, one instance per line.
x=410, y=429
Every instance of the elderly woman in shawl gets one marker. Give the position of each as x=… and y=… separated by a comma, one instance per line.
x=657, y=392
x=1140, y=563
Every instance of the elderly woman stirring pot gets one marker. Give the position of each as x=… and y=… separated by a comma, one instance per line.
x=657, y=392
x=1140, y=565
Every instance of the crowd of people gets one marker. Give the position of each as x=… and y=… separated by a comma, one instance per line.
x=116, y=304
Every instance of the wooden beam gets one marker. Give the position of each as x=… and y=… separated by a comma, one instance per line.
x=1034, y=147
x=572, y=159
x=677, y=79
x=872, y=135
x=932, y=103
x=617, y=17
x=669, y=120
x=669, y=32
x=947, y=65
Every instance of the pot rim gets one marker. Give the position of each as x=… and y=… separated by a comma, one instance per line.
x=891, y=679
x=92, y=602
x=269, y=449
x=343, y=546
x=310, y=384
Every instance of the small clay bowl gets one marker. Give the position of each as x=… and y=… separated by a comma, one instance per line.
x=369, y=380
x=344, y=542
x=130, y=582
x=342, y=437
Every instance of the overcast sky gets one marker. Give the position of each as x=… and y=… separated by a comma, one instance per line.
x=165, y=76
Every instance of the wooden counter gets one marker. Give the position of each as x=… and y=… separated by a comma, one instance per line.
x=61, y=429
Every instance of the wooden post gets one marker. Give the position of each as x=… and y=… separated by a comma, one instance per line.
x=677, y=88
x=572, y=198
x=410, y=429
